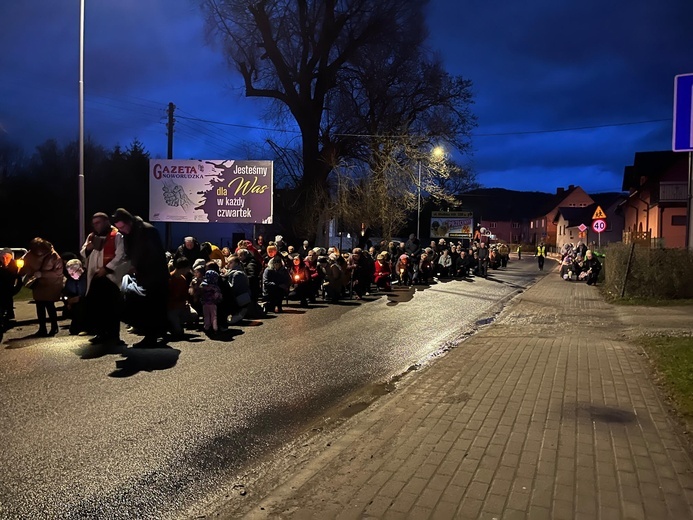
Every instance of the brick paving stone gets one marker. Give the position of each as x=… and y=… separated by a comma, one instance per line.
x=404, y=502
x=445, y=511
x=560, y=420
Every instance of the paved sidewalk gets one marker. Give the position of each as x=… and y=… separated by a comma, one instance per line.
x=547, y=413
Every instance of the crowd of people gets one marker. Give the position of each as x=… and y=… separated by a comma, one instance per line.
x=123, y=273
x=579, y=263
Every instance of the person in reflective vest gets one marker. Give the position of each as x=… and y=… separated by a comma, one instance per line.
x=541, y=255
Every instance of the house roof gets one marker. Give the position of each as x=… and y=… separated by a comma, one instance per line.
x=650, y=165
x=499, y=204
x=608, y=199
x=576, y=216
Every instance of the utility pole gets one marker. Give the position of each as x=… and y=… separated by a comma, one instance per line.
x=169, y=130
x=169, y=155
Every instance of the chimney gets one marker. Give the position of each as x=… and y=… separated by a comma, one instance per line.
x=571, y=186
x=559, y=191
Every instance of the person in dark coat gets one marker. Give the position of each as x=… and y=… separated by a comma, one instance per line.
x=413, y=247
x=253, y=271
x=10, y=283
x=483, y=259
x=275, y=284
x=304, y=250
x=147, y=255
x=190, y=249
x=74, y=294
x=590, y=268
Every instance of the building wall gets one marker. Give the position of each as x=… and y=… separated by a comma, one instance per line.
x=544, y=228
x=510, y=232
x=674, y=236
x=638, y=216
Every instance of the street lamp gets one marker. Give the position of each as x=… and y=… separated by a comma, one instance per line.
x=438, y=154
x=80, y=179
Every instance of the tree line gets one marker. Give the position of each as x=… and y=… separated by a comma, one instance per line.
x=39, y=191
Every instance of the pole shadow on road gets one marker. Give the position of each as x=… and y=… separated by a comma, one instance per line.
x=145, y=360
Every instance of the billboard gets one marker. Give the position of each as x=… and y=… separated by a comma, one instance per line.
x=206, y=190
x=452, y=224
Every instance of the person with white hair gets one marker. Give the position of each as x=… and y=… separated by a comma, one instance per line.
x=590, y=268
x=304, y=249
x=74, y=294
x=279, y=242
x=190, y=249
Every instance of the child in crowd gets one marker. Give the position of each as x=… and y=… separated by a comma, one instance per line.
x=178, y=296
x=210, y=296
x=73, y=295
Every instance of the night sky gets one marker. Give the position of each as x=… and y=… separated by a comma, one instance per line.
x=565, y=92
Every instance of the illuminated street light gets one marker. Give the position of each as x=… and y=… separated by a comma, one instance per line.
x=438, y=154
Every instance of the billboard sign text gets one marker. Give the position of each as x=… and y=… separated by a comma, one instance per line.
x=235, y=192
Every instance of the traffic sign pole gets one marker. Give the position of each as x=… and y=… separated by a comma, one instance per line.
x=689, y=235
x=599, y=225
x=682, y=140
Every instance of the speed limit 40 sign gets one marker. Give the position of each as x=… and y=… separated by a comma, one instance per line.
x=599, y=225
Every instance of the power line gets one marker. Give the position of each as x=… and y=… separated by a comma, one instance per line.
x=250, y=127
x=573, y=128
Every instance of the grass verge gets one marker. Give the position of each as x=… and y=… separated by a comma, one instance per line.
x=647, y=302
x=673, y=359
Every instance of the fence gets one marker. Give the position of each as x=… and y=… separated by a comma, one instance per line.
x=638, y=271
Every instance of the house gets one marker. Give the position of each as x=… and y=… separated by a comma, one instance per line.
x=504, y=213
x=568, y=220
x=544, y=226
x=655, y=212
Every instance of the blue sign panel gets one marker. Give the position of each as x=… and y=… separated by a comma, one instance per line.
x=683, y=113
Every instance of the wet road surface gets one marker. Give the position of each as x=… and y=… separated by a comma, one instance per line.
x=134, y=433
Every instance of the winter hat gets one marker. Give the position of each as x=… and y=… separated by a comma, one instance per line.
x=122, y=215
x=199, y=264
x=211, y=277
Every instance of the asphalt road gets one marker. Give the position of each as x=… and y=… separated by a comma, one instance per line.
x=131, y=433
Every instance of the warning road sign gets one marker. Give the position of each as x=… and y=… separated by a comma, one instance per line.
x=598, y=214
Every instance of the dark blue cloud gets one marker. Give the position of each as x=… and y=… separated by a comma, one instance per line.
x=549, y=65
x=536, y=66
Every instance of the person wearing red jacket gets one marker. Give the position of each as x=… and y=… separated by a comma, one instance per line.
x=383, y=271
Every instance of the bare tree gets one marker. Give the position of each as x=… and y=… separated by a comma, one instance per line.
x=344, y=70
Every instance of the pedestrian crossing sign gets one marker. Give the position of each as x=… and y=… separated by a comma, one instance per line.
x=598, y=213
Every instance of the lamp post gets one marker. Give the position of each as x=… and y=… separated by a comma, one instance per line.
x=438, y=154
x=80, y=181
x=418, y=207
